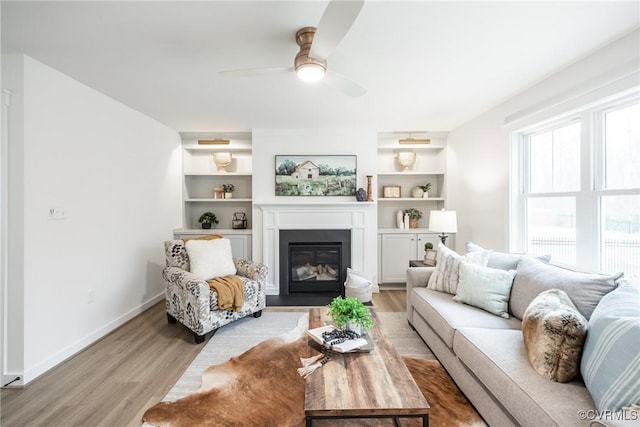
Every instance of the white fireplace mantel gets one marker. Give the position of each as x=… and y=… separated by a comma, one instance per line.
x=359, y=217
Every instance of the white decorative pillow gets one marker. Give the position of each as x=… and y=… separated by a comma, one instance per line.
x=210, y=258
x=351, y=272
x=485, y=288
x=445, y=277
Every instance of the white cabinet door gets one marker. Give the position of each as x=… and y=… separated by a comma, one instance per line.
x=240, y=245
x=397, y=250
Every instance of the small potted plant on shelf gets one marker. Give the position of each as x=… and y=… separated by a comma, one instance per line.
x=414, y=216
x=350, y=313
x=206, y=219
x=421, y=191
x=425, y=189
x=228, y=190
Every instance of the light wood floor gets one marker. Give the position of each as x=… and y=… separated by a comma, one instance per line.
x=112, y=382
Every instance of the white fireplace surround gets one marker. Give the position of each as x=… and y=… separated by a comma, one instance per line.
x=359, y=217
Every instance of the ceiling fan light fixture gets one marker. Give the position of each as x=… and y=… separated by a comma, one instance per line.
x=310, y=72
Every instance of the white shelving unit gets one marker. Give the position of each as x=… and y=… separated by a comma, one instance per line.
x=430, y=166
x=201, y=176
x=396, y=247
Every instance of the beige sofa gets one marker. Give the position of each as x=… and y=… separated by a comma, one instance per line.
x=486, y=357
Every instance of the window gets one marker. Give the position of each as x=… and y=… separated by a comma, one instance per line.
x=578, y=188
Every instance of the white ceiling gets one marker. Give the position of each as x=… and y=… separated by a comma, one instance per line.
x=426, y=65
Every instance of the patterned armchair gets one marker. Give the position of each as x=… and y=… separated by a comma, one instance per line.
x=190, y=301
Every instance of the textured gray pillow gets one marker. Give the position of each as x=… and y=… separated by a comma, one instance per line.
x=554, y=333
x=502, y=260
x=533, y=277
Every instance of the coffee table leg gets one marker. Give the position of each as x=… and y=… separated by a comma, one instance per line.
x=425, y=421
x=308, y=421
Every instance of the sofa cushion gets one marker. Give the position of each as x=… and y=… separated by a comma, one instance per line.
x=502, y=260
x=554, y=332
x=611, y=357
x=210, y=258
x=444, y=315
x=485, y=288
x=497, y=357
x=446, y=276
x=584, y=289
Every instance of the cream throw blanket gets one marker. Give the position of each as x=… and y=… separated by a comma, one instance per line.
x=230, y=292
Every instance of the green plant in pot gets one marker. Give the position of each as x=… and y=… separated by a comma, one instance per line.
x=228, y=190
x=428, y=246
x=414, y=216
x=206, y=219
x=425, y=189
x=350, y=313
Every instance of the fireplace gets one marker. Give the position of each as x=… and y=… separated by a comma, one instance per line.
x=314, y=261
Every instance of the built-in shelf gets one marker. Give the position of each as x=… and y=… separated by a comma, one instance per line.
x=411, y=173
x=410, y=199
x=201, y=231
x=201, y=176
x=221, y=174
x=204, y=200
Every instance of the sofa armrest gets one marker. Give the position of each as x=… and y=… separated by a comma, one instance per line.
x=252, y=269
x=417, y=277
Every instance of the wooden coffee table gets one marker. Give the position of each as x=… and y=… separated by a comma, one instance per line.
x=363, y=385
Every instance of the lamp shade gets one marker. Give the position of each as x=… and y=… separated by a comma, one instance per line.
x=443, y=221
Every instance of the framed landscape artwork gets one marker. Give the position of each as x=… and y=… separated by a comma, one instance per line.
x=316, y=175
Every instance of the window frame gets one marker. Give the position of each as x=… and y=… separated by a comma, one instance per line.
x=588, y=199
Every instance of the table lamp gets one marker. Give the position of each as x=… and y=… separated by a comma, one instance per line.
x=444, y=222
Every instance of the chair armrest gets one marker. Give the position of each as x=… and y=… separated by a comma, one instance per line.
x=252, y=269
x=417, y=277
x=188, y=299
x=186, y=281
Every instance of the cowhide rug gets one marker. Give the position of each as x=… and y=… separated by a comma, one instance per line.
x=261, y=387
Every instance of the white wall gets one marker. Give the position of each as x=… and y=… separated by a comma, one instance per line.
x=479, y=151
x=117, y=175
x=267, y=143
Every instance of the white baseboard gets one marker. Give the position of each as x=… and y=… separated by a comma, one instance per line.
x=81, y=344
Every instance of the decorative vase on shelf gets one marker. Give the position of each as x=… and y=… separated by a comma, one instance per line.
x=218, y=193
x=228, y=195
x=413, y=223
x=222, y=160
x=406, y=159
x=425, y=195
x=417, y=193
x=399, y=220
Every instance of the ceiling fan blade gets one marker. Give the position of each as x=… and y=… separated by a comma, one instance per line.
x=248, y=72
x=334, y=25
x=343, y=84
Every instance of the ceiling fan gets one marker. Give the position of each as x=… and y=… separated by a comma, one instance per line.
x=316, y=44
